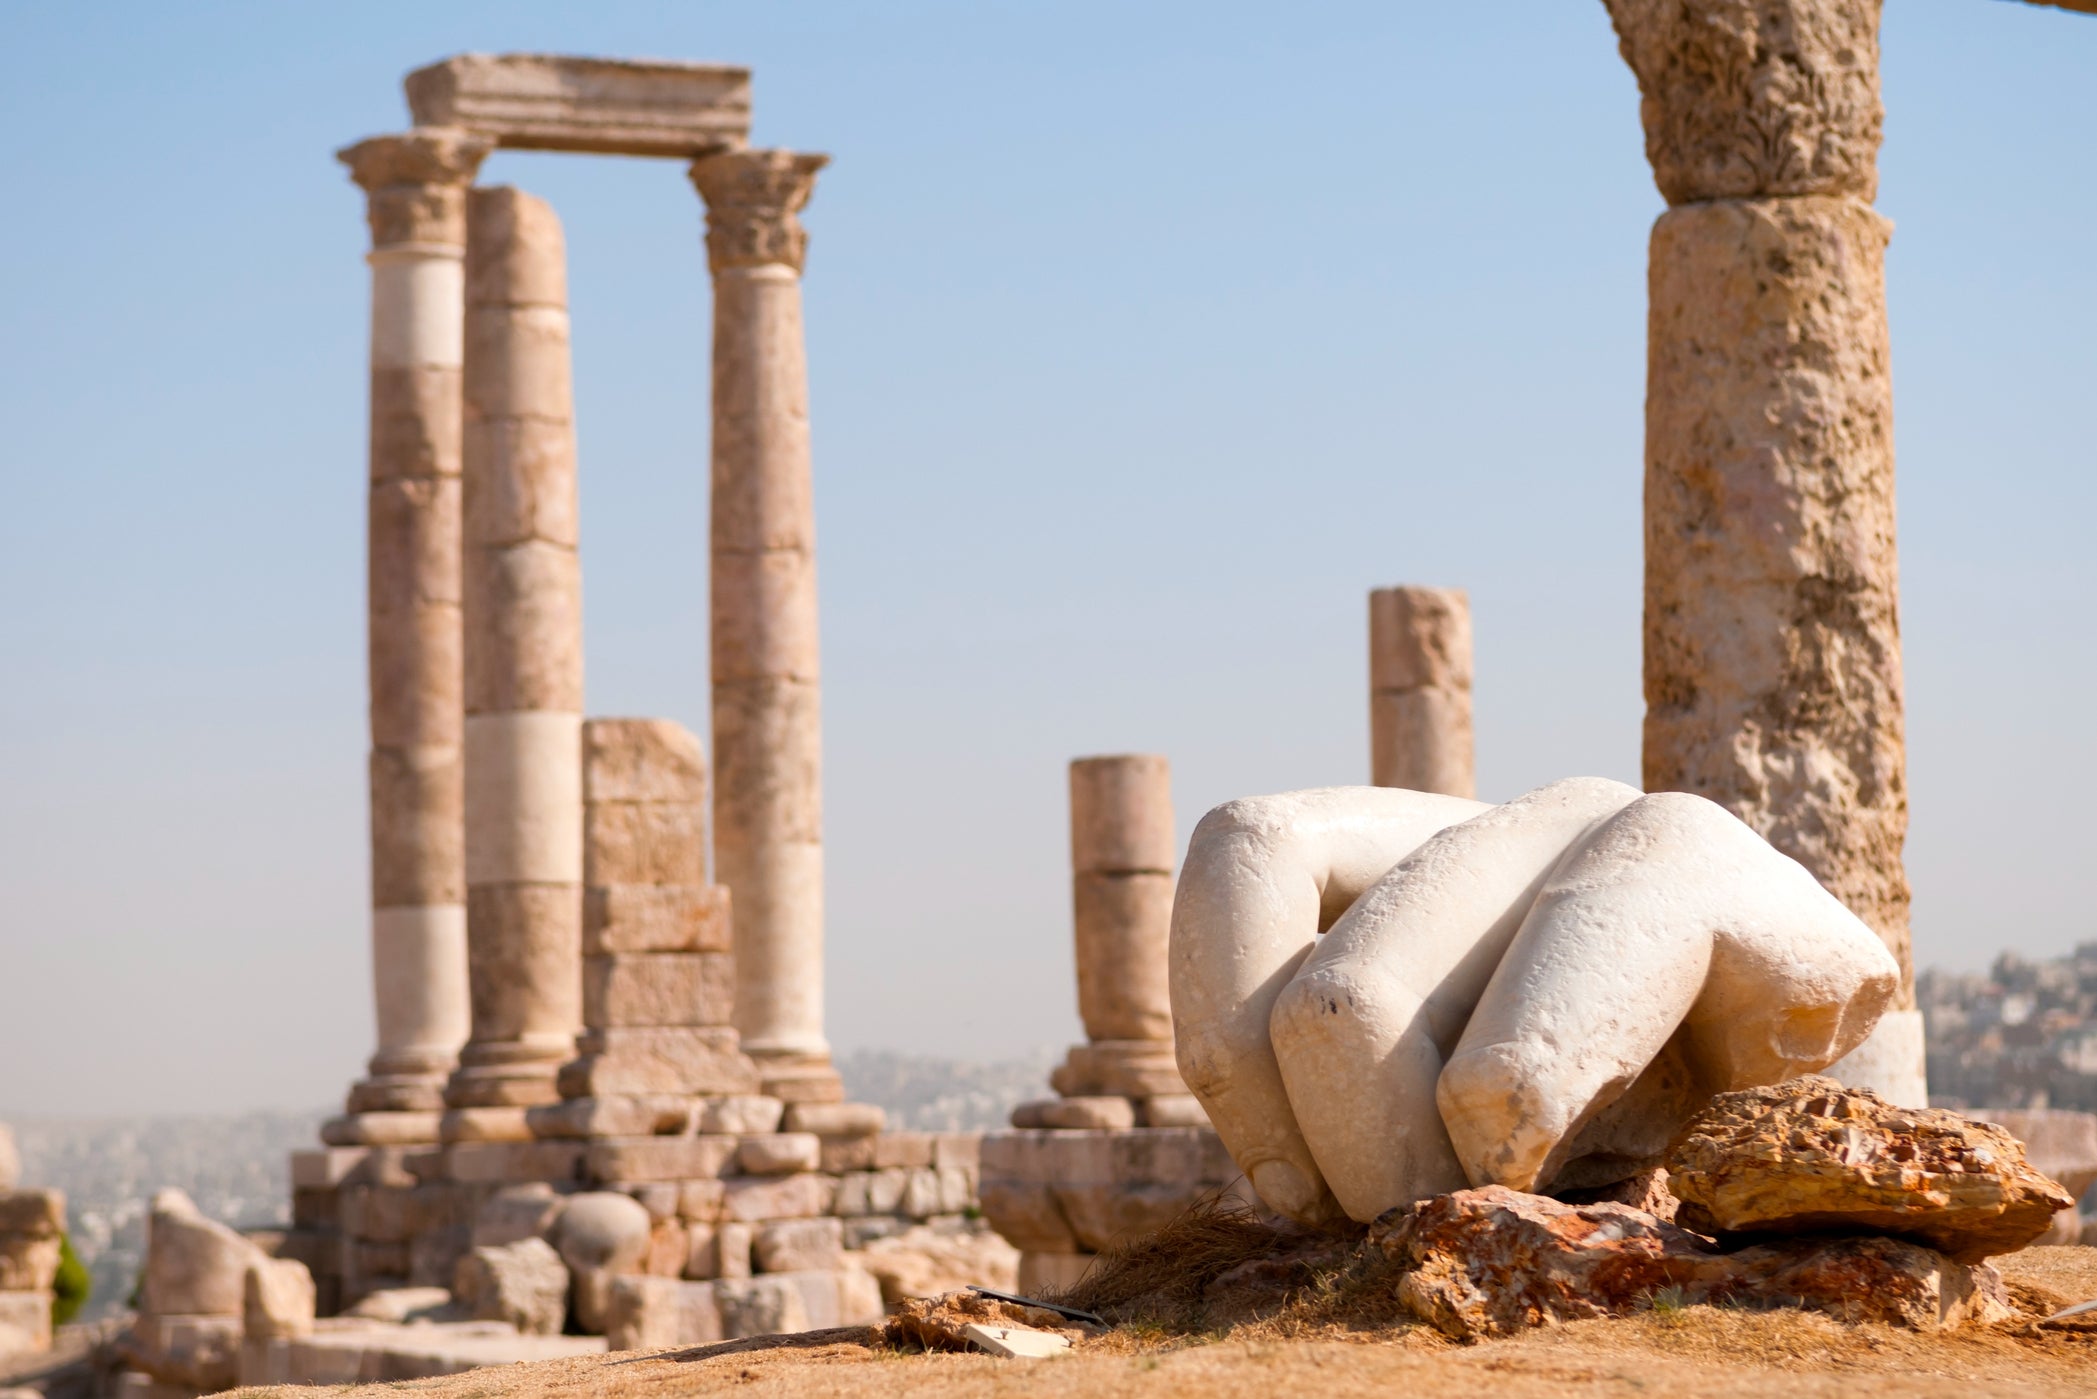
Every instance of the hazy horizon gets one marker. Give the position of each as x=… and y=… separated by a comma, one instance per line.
x=1144, y=342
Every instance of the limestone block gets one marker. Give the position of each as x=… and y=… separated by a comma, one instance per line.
x=1098, y=1114
x=517, y=364
x=1110, y=1214
x=1737, y=947
x=866, y=1229
x=765, y=1306
x=778, y=1197
x=524, y=1283
x=1041, y=1274
x=1419, y=638
x=27, y=1263
x=532, y=498
x=331, y=1167
x=555, y=102
x=836, y=1119
x=649, y=1313
x=1123, y=928
x=700, y=1200
x=1772, y=651
x=1171, y=1110
x=639, y=1115
x=702, y=1259
x=922, y=1262
x=1742, y=98
x=669, y=1247
x=903, y=1149
x=798, y=1083
x=644, y=843
x=642, y=760
x=515, y=1213
x=1016, y=1342
x=743, y=1115
x=500, y=1163
x=194, y=1266
x=278, y=1300
x=202, y=1352
x=676, y=1059
x=733, y=1245
x=1809, y=1156
x=778, y=1153
x=625, y=1159
x=400, y=1305
x=656, y=918
x=765, y=618
x=515, y=253
x=659, y=1198
x=25, y=1322
x=1121, y=815
x=794, y=1245
x=658, y=988
x=962, y=1150
x=381, y=1213
x=837, y=1154
x=499, y=1114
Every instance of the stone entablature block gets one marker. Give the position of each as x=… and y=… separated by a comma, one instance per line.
x=551, y=102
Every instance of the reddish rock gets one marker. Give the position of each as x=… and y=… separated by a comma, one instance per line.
x=1494, y=1261
x=1809, y=1156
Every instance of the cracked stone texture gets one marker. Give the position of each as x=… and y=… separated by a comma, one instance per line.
x=1772, y=634
x=1811, y=1157
x=1494, y=1262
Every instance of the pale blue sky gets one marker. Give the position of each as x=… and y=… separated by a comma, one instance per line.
x=1145, y=339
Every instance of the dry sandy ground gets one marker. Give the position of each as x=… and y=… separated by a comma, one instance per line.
x=1695, y=1351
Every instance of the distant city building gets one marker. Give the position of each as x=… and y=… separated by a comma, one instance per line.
x=2024, y=1035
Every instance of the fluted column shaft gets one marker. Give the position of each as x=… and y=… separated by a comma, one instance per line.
x=1772, y=634
x=524, y=676
x=1420, y=691
x=416, y=188
x=767, y=717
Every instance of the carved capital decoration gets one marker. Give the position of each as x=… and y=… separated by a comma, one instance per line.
x=416, y=183
x=752, y=198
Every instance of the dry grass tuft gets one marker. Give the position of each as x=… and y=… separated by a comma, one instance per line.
x=1217, y=1268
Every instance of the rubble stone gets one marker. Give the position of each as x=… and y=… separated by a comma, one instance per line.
x=523, y=1283
x=194, y=1266
x=922, y=1262
x=1810, y=1156
x=278, y=1298
x=741, y=1115
x=1494, y=1261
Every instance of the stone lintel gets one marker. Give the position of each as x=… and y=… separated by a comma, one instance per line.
x=551, y=102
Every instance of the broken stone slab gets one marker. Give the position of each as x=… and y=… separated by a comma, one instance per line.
x=194, y=1266
x=278, y=1300
x=202, y=1352
x=1016, y=1342
x=942, y=1322
x=523, y=1283
x=740, y=1115
x=1495, y=1261
x=1809, y=1156
x=836, y=1119
x=554, y=102
x=636, y=1115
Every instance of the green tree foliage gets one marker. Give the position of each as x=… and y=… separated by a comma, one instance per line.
x=69, y=1291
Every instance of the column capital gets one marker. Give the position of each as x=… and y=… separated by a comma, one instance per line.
x=752, y=198
x=1756, y=99
x=416, y=183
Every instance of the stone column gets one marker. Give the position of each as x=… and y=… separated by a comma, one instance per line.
x=1420, y=690
x=523, y=621
x=1772, y=635
x=1121, y=854
x=416, y=189
x=767, y=722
